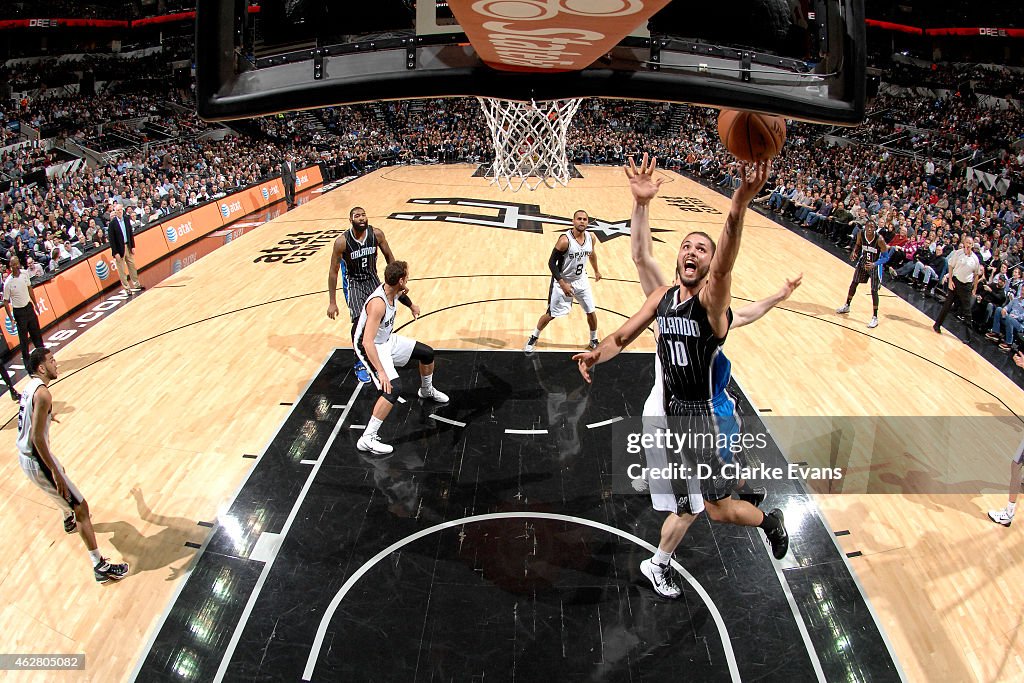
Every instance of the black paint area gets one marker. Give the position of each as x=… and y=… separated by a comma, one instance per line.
x=517, y=591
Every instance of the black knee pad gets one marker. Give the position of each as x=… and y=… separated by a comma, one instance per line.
x=396, y=391
x=423, y=353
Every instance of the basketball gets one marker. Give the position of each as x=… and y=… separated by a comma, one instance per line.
x=750, y=136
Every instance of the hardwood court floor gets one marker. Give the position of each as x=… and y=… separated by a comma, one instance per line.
x=159, y=404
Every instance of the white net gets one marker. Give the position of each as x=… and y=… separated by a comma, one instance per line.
x=529, y=142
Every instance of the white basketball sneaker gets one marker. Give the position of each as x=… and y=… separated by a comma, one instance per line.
x=1000, y=517
x=433, y=394
x=662, y=577
x=373, y=444
x=844, y=309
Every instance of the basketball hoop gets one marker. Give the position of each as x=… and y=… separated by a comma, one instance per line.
x=529, y=141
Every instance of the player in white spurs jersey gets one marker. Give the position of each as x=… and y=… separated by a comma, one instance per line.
x=568, y=266
x=45, y=471
x=383, y=351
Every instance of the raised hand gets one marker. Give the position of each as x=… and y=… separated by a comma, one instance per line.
x=642, y=182
x=791, y=285
x=586, y=361
x=754, y=176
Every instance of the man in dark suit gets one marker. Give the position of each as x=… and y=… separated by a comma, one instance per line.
x=122, y=247
x=288, y=178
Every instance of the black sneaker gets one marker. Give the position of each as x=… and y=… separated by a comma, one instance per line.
x=531, y=344
x=592, y=345
x=105, y=571
x=70, y=524
x=754, y=496
x=778, y=537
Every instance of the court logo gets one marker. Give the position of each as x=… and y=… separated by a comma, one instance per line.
x=336, y=184
x=12, y=327
x=172, y=235
x=509, y=216
x=176, y=266
x=298, y=246
x=691, y=204
x=102, y=271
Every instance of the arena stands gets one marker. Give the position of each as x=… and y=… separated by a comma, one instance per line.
x=925, y=160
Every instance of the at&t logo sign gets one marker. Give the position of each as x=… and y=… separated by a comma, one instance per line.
x=173, y=233
x=12, y=327
x=102, y=270
x=228, y=208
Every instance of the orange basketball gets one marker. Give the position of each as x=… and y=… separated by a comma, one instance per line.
x=750, y=136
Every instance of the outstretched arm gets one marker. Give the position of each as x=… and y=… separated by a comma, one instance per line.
x=755, y=311
x=717, y=295
x=622, y=337
x=644, y=188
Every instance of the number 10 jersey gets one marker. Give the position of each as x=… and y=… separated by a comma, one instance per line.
x=690, y=353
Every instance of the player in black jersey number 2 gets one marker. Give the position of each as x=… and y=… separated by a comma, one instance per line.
x=356, y=250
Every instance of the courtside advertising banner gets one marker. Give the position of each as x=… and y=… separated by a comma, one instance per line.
x=72, y=287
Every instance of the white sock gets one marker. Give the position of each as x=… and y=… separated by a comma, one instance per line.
x=1010, y=508
x=372, y=427
x=535, y=333
x=593, y=335
x=661, y=557
x=428, y=381
x=95, y=556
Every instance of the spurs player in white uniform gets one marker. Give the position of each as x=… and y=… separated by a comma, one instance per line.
x=568, y=266
x=383, y=352
x=43, y=469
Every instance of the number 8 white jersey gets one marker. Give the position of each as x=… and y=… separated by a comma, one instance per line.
x=574, y=265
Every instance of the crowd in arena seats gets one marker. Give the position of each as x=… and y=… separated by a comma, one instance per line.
x=92, y=9
x=54, y=72
x=984, y=79
x=915, y=188
x=87, y=9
